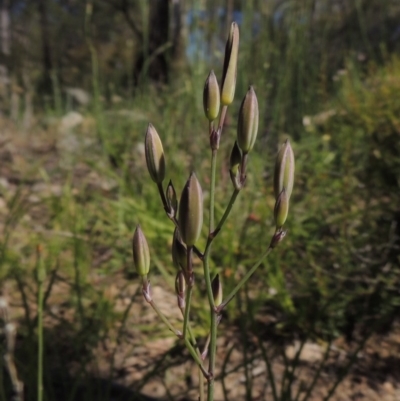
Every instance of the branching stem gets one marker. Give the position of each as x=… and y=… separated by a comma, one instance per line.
x=244, y=280
x=189, y=290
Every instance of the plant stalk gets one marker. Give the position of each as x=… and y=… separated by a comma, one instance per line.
x=190, y=282
x=213, y=315
x=244, y=279
x=226, y=213
x=41, y=275
x=189, y=346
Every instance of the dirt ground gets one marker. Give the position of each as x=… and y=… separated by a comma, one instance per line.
x=159, y=367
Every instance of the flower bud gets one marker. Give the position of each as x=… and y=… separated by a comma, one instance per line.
x=180, y=288
x=281, y=209
x=248, y=121
x=234, y=166
x=284, y=170
x=217, y=290
x=172, y=201
x=214, y=139
x=141, y=253
x=277, y=238
x=190, y=219
x=180, y=283
x=211, y=97
x=154, y=155
x=230, y=66
x=179, y=252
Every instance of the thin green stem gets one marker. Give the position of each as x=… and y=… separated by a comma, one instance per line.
x=196, y=346
x=226, y=213
x=213, y=315
x=213, y=351
x=244, y=279
x=189, y=346
x=207, y=343
x=164, y=319
x=190, y=282
x=222, y=119
x=163, y=197
x=77, y=278
x=41, y=274
x=207, y=277
x=187, y=310
x=201, y=386
x=245, y=345
x=196, y=357
x=213, y=312
x=212, y=188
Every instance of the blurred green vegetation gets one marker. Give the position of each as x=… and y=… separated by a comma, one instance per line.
x=327, y=75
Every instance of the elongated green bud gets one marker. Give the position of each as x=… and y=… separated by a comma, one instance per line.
x=234, y=166
x=284, y=170
x=281, y=209
x=211, y=97
x=248, y=121
x=217, y=290
x=141, y=253
x=190, y=217
x=154, y=155
x=179, y=252
x=230, y=66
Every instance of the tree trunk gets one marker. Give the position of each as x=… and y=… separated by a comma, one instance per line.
x=46, y=48
x=5, y=32
x=178, y=32
x=155, y=64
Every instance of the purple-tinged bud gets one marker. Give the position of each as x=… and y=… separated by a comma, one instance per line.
x=230, y=66
x=281, y=209
x=277, y=238
x=172, y=200
x=217, y=290
x=248, y=121
x=234, y=166
x=141, y=253
x=180, y=289
x=179, y=252
x=214, y=139
x=154, y=155
x=211, y=97
x=284, y=170
x=190, y=219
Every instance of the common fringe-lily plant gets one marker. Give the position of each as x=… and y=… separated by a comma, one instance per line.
x=187, y=214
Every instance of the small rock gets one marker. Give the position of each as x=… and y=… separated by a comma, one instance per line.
x=311, y=352
x=70, y=121
x=79, y=95
x=388, y=387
